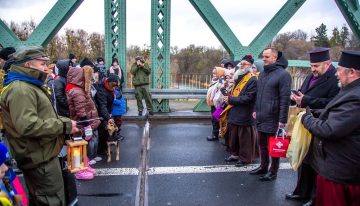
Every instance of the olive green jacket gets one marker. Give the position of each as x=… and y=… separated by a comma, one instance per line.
x=141, y=74
x=33, y=129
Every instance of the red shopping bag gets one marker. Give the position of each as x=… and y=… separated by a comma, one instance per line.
x=278, y=145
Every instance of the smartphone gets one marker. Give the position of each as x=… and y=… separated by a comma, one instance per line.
x=223, y=91
x=296, y=92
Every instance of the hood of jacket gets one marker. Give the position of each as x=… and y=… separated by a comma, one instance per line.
x=281, y=63
x=80, y=77
x=63, y=67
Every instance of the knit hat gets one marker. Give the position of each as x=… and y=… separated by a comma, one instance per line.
x=4, y=154
x=248, y=58
x=230, y=63
x=5, y=52
x=100, y=59
x=350, y=59
x=85, y=62
x=72, y=56
x=113, y=78
x=115, y=60
x=224, y=61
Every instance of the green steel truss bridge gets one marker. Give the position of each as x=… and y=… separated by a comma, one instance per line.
x=115, y=32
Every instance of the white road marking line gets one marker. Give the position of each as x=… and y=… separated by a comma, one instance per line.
x=206, y=169
x=182, y=169
x=116, y=171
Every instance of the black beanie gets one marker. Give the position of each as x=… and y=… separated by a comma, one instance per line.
x=72, y=56
x=5, y=52
x=113, y=78
x=248, y=58
x=87, y=62
x=99, y=59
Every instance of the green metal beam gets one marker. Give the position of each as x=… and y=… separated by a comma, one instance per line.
x=218, y=26
x=351, y=12
x=115, y=33
x=48, y=27
x=274, y=26
x=227, y=38
x=7, y=37
x=53, y=22
x=160, y=50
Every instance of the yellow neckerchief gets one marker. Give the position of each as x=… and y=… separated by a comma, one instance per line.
x=235, y=93
x=239, y=87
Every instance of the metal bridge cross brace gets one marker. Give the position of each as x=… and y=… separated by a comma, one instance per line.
x=160, y=50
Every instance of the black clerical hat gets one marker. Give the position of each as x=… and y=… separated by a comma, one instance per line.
x=319, y=54
x=350, y=59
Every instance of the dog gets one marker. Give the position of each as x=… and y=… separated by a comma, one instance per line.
x=113, y=140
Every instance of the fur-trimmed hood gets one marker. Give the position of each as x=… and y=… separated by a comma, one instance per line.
x=80, y=77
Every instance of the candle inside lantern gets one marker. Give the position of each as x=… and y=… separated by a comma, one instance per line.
x=76, y=155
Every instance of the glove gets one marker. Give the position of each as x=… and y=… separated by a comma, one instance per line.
x=307, y=112
x=316, y=112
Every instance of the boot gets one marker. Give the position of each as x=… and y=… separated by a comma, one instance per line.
x=89, y=169
x=84, y=175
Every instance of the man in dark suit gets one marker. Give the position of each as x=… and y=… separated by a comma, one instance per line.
x=318, y=89
x=336, y=133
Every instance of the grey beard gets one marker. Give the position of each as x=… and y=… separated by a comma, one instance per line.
x=240, y=72
x=339, y=84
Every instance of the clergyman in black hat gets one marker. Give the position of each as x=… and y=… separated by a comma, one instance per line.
x=336, y=133
x=317, y=90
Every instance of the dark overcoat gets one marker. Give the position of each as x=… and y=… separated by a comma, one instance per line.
x=322, y=92
x=273, y=96
x=243, y=105
x=336, y=144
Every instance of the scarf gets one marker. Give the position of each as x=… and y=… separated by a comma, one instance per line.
x=235, y=93
x=106, y=86
x=70, y=86
x=14, y=76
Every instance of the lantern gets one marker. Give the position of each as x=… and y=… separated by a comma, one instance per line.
x=76, y=155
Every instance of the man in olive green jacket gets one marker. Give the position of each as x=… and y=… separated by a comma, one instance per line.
x=34, y=131
x=141, y=71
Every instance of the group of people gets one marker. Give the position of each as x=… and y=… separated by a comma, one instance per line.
x=251, y=107
x=43, y=105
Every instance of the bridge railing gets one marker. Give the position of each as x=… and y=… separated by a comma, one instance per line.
x=188, y=82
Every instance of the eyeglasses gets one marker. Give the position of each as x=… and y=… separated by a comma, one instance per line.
x=243, y=64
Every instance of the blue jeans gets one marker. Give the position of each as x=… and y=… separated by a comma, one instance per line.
x=93, y=145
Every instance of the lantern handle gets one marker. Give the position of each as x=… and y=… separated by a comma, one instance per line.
x=88, y=120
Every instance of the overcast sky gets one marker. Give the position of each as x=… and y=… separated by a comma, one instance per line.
x=245, y=18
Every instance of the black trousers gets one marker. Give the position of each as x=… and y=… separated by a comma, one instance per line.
x=305, y=186
x=103, y=137
x=264, y=154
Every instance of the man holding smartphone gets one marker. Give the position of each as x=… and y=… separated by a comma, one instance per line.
x=319, y=87
x=317, y=90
